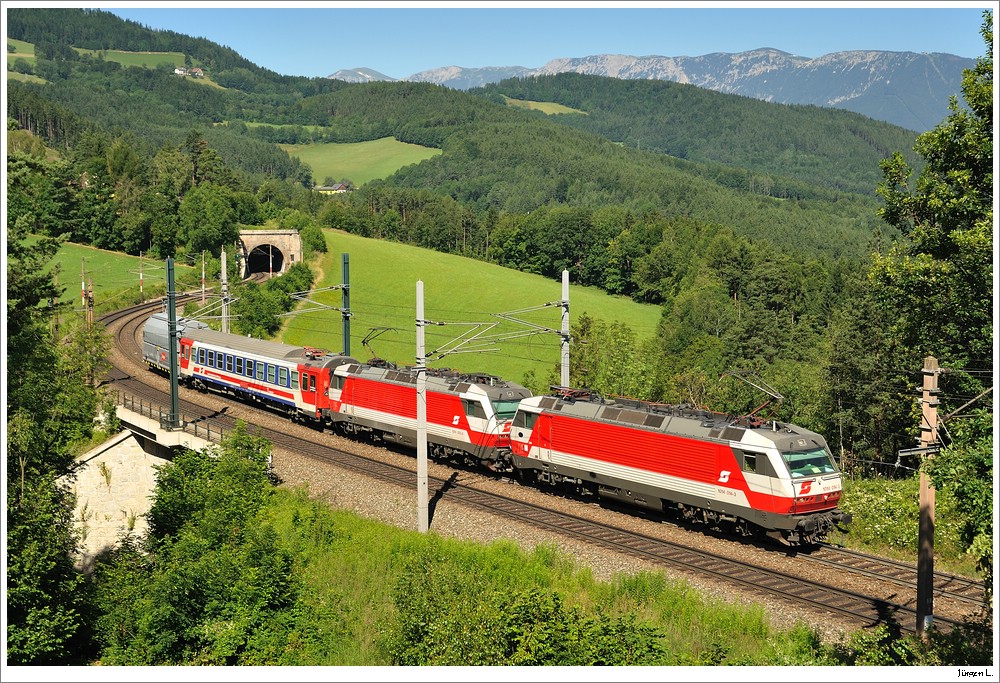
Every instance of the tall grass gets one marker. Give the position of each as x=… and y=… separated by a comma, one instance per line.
x=353, y=569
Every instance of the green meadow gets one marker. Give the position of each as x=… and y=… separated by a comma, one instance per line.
x=464, y=293
x=359, y=162
x=148, y=60
x=115, y=276
x=544, y=107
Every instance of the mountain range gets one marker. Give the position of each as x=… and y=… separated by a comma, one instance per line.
x=908, y=89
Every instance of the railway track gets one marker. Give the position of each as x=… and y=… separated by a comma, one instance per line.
x=959, y=593
x=946, y=586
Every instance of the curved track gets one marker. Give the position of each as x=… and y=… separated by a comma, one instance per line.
x=133, y=382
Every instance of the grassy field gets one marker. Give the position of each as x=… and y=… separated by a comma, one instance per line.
x=22, y=50
x=149, y=60
x=544, y=107
x=359, y=162
x=115, y=276
x=456, y=290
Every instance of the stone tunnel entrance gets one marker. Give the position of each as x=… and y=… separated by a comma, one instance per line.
x=270, y=251
x=265, y=259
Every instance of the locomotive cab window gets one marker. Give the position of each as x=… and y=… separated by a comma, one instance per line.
x=809, y=463
x=756, y=463
x=505, y=409
x=525, y=419
x=305, y=382
x=474, y=409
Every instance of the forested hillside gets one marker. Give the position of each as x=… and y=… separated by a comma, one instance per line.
x=809, y=144
x=775, y=260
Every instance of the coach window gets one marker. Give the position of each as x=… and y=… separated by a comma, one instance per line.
x=270, y=373
x=260, y=371
x=211, y=358
x=239, y=365
x=201, y=356
x=283, y=377
x=229, y=363
x=295, y=379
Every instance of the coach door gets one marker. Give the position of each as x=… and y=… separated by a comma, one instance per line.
x=309, y=384
x=185, y=357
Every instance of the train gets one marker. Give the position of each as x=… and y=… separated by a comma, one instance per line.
x=740, y=474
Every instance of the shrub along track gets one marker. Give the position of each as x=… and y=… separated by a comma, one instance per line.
x=864, y=590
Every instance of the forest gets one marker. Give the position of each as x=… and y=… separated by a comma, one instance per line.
x=825, y=252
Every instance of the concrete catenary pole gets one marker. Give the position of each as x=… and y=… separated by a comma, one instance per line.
x=172, y=341
x=925, y=540
x=225, y=294
x=346, y=302
x=564, y=364
x=422, y=507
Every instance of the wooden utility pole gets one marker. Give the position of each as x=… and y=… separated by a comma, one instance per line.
x=925, y=553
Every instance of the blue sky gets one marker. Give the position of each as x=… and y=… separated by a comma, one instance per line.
x=400, y=39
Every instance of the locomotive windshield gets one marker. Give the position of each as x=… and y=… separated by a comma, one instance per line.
x=809, y=463
x=505, y=409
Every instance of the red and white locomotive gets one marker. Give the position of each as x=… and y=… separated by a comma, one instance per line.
x=751, y=475
x=468, y=416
